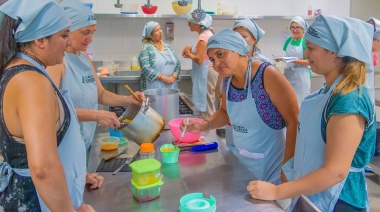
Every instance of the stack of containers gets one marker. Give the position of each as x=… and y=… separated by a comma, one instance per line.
x=146, y=179
x=119, y=134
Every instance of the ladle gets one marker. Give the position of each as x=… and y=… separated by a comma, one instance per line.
x=198, y=14
x=182, y=3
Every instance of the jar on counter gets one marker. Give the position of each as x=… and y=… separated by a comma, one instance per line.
x=147, y=151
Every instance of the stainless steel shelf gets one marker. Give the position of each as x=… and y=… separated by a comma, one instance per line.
x=174, y=16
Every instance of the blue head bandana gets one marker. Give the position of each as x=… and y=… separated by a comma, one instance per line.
x=342, y=35
x=301, y=21
x=148, y=28
x=376, y=25
x=205, y=23
x=230, y=40
x=39, y=18
x=79, y=14
x=252, y=26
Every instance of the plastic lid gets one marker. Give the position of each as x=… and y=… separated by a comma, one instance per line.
x=146, y=147
x=160, y=182
x=197, y=202
x=146, y=165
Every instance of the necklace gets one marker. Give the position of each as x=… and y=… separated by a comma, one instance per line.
x=35, y=59
x=159, y=46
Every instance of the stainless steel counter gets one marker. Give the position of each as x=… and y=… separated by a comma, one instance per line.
x=217, y=173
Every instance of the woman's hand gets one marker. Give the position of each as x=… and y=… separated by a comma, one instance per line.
x=95, y=180
x=168, y=80
x=193, y=126
x=134, y=101
x=186, y=51
x=85, y=208
x=262, y=190
x=107, y=119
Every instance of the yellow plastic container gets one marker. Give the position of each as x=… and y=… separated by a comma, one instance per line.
x=109, y=143
x=146, y=172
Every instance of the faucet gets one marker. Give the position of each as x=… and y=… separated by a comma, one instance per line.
x=118, y=5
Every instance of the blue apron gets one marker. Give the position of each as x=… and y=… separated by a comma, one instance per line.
x=80, y=82
x=297, y=75
x=199, y=79
x=165, y=64
x=71, y=152
x=310, y=149
x=259, y=147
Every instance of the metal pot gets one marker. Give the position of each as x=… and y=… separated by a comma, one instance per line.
x=165, y=101
x=142, y=124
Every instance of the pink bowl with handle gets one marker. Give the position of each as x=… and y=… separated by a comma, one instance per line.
x=176, y=131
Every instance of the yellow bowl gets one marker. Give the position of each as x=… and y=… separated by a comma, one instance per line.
x=182, y=9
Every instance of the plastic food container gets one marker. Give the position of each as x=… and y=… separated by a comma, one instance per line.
x=169, y=153
x=146, y=172
x=146, y=193
x=109, y=143
x=197, y=202
x=176, y=131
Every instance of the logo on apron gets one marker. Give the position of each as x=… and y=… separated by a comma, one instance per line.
x=170, y=63
x=88, y=79
x=240, y=129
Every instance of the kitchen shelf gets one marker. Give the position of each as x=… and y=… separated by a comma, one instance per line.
x=214, y=17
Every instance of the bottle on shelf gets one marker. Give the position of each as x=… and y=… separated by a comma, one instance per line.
x=219, y=9
x=310, y=11
x=135, y=65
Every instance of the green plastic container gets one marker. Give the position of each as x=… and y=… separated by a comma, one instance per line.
x=146, y=193
x=169, y=153
x=146, y=172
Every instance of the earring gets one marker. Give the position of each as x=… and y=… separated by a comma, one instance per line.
x=334, y=59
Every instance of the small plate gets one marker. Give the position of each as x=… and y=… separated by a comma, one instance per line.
x=129, y=13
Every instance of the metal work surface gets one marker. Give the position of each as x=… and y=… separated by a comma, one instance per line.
x=217, y=173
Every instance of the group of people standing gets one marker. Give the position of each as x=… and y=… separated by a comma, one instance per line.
x=48, y=80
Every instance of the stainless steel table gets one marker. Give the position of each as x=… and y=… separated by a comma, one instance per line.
x=217, y=173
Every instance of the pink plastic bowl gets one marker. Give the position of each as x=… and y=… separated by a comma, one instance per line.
x=176, y=132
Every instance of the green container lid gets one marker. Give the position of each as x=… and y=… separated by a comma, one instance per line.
x=160, y=182
x=146, y=165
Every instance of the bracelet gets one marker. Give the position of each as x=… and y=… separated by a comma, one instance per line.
x=209, y=123
x=159, y=76
x=174, y=77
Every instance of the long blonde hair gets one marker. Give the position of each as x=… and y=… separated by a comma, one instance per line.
x=354, y=73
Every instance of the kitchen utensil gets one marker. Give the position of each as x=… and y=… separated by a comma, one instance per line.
x=176, y=131
x=148, y=8
x=202, y=147
x=109, y=157
x=129, y=160
x=132, y=93
x=198, y=14
x=184, y=130
x=164, y=101
x=109, y=143
x=145, y=124
x=182, y=3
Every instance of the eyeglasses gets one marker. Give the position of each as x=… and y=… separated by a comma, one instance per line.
x=295, y=28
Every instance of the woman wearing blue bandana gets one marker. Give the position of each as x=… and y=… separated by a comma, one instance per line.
x=252, y=33
x=159, y=65
x=258, y=101
x=203, y=75
x=78, y=76
x=297, y=72
x=44, y=166
x=337, y=124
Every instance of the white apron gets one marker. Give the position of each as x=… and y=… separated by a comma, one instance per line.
x=297, y=75
x=165, y=64
x=310, y=149
x=258, y=147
